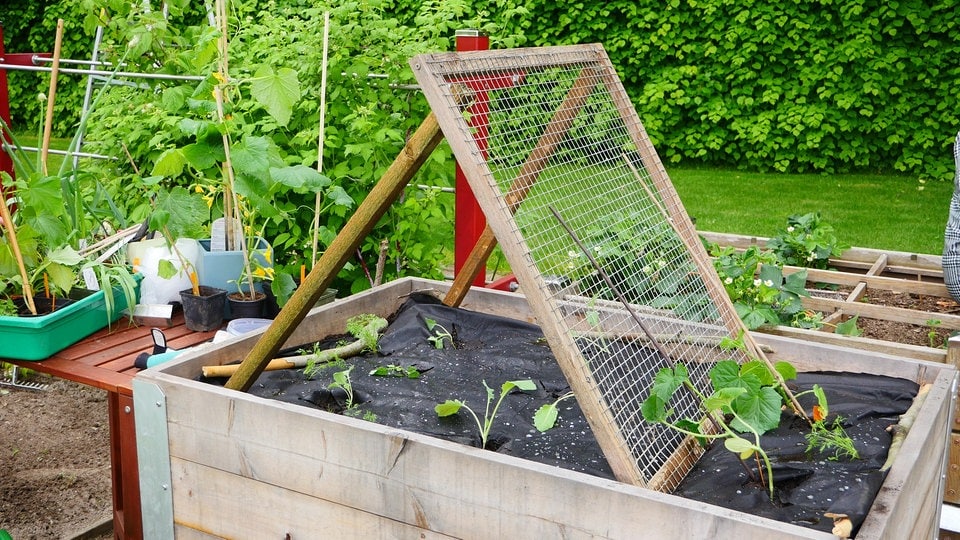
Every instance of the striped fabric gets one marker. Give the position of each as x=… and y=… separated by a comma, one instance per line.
x=951, y=236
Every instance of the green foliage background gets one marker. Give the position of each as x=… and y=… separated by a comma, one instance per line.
x=824, y=85
x=821, y=86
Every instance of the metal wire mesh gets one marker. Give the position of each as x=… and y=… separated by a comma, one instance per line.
x=594, y=230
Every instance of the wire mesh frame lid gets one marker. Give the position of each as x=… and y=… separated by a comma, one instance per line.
x=595, y=233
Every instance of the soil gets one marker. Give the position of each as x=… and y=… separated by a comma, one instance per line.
x=54, y=460
x=55, y=456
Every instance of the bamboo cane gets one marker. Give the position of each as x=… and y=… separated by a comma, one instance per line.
x=320, y=137
x=51, y=97
x=11, y=233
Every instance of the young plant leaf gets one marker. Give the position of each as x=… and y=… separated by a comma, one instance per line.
x=721, y=399
x=758, y=410
x=849, y=327
x=448, y=407
x=739, y=445
x=760, y=370
x=786, y=370
x=667, y=381
x=525, y=384
x=545, y=417
x=727, y=374
x=654, y=409
x=276, y=92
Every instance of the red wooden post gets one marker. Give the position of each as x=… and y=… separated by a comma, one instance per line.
x=6, y=164
x=469, y=220
x=14, y=59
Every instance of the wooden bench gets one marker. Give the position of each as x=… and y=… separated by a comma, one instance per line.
x=105, y=360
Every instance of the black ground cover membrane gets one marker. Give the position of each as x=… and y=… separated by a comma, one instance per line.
x=494, y=350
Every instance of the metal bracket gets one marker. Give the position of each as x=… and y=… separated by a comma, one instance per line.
x=153, y=451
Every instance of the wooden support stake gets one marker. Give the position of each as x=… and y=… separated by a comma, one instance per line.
x=373, y=207
x=529, y=173
x=51, y=97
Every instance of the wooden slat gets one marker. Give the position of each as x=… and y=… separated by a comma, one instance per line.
x=105, y=359
x=836, y=277
x=899, y=261
x=952, y=492
x=908, y=351
x=887, y=313
x=277, y=513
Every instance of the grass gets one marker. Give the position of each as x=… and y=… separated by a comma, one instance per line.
x=893, y=213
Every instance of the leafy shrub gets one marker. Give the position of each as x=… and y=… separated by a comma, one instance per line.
x=807, y=241
x=368, y=121
x=786, y=86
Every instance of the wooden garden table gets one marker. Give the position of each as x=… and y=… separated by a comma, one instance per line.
x=105, y=360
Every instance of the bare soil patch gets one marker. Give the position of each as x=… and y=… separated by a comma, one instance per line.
x=54, y=460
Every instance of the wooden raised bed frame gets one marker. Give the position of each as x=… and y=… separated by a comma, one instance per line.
x=225, y=463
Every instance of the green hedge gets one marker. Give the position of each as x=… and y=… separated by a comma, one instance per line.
x=31, y=26
x=831, y=86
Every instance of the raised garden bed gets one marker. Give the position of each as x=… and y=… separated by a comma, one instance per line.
x=234, y=464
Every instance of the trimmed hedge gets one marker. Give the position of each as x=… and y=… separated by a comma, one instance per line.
x=831, y=86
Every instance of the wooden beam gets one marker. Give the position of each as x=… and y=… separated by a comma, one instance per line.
x=887, y=313
x=373, y=207
x=899, y=261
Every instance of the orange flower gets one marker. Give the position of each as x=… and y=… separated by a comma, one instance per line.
x=818, y=414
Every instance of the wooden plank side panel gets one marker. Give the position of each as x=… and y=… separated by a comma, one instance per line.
x=952, y=492
x=836, y=358
x=370, y=470
x=918, y=468
x=211, y=506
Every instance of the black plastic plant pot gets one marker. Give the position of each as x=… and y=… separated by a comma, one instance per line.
x=242, y=307
x=203, y=312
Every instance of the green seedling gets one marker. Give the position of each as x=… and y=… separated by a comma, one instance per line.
x=546, y=416
x=932, y=336
x=439, y=333
x=453, y=406
x=393, y=370
x=365, y=328
x=341, y=380
x=828, y=439
x=746, y=394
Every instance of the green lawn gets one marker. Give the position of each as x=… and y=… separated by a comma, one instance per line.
x=874, y=211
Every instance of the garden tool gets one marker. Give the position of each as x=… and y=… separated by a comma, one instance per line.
x=160, y=354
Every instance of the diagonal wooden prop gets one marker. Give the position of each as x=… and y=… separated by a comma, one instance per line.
x=373, y=207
